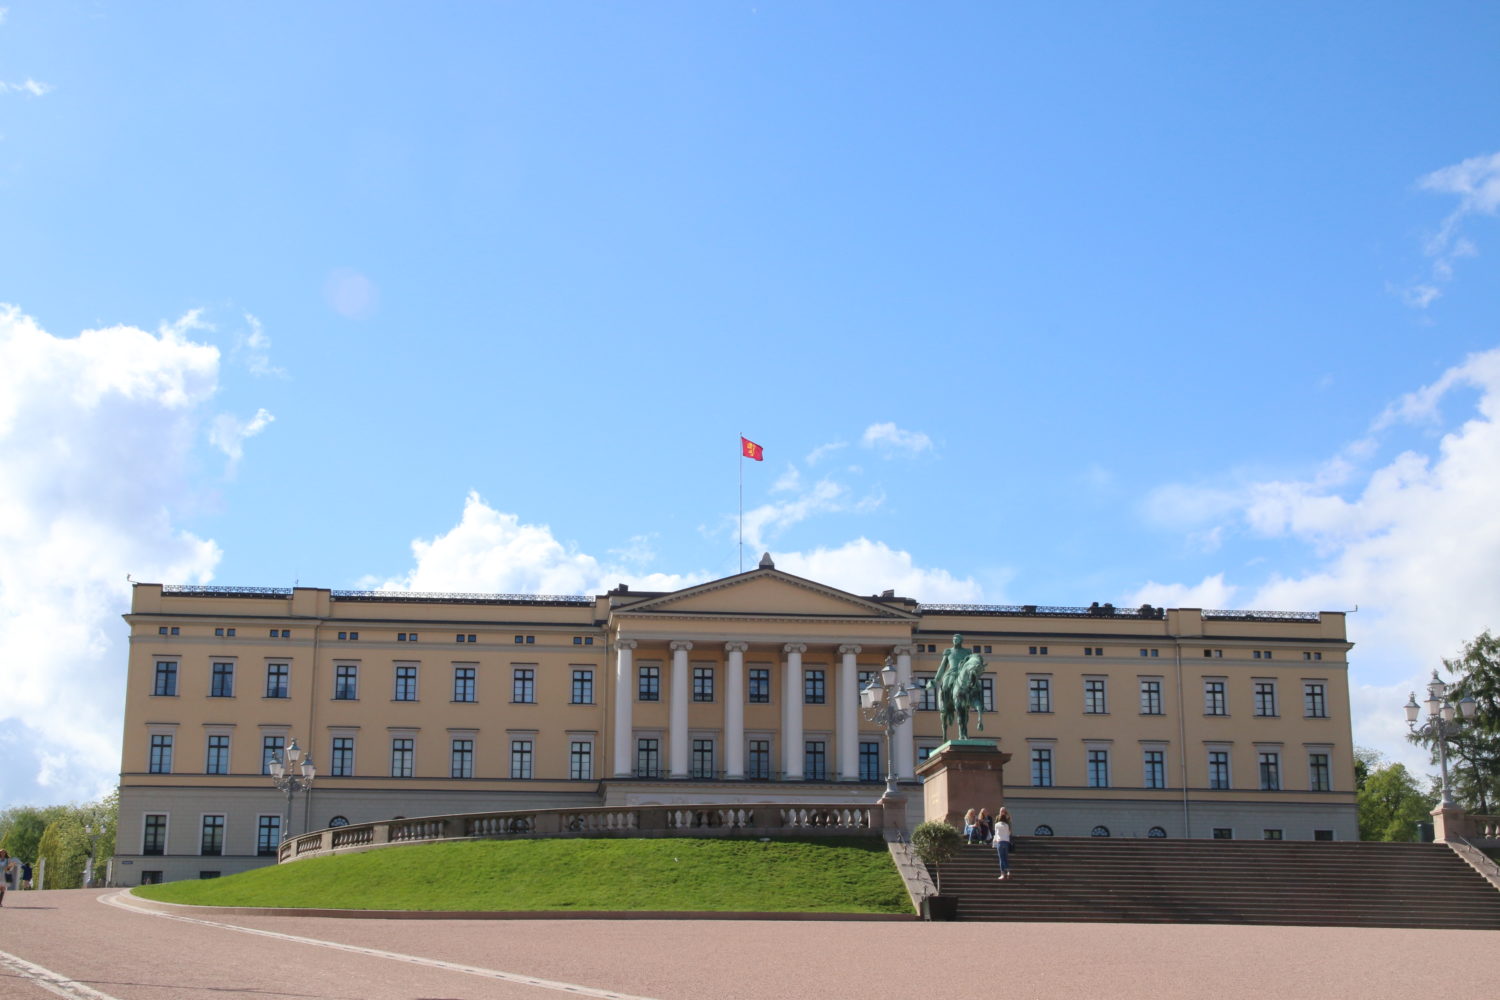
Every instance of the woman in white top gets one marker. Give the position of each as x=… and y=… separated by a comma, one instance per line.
x=1002, y=840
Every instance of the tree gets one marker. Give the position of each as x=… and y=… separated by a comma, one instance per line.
x=935, y=842
x=63, y=836
x=1474, y=745
x=1391, y=804
x=21, y=829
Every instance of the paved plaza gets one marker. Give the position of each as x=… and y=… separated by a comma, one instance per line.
x=97, y=944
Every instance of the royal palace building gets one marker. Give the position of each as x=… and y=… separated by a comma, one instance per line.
x=1118, y=722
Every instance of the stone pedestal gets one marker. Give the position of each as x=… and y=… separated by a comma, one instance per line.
x=1448, y=823
x=962, y=775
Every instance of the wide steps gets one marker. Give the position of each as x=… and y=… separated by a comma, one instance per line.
x=1081, y=879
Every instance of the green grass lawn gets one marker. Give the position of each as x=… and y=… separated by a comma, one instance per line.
x=825, y=875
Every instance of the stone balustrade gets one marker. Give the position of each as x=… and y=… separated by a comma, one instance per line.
x=777, y=819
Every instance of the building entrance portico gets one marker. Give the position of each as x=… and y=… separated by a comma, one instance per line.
x=755, y=677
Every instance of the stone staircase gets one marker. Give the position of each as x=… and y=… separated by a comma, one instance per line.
x=1086, y=879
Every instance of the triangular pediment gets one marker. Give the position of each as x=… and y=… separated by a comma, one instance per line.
x=765, y=592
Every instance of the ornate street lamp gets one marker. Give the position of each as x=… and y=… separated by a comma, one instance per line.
x=1440, y=725
x=292, y=773
x=887, y=702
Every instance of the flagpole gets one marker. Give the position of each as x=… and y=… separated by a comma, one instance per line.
x=742, y=502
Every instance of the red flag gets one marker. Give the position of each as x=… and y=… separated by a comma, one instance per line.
x=750, y=449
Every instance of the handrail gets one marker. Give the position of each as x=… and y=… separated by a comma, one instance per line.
x=768, y=819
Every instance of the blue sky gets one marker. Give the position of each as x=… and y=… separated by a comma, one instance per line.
x=1110, y=301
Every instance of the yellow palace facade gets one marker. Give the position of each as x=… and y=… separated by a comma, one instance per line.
x=1119, y=722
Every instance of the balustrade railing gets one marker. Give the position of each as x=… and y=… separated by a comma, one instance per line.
x=765, y=820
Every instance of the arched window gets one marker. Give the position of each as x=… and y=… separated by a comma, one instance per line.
x=1042, y=831
x=1156, y=831
x=1099, y=831
x=338, y=821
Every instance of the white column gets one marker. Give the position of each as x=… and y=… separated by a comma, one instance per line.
x=791, y=712
x=679, y=720
x=906, y=754
x=734, y=711
x=848, y=716
x=624, y=704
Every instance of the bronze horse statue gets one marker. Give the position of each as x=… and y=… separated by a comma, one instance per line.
x=959, y=690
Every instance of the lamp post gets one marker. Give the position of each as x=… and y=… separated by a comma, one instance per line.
x=291, y=774
x=1441, y=723
x=887, y=702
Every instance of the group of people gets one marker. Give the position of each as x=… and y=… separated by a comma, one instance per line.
x=982, y=828
x=14, y=874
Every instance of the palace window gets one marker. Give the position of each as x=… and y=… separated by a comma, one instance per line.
x=465, y=637
x=1041, y=767
x=869, y=760
x=218, y=755
x=271, y=748
x=1265, y=698
x=154, y=840
x=814, y=691
x=1098, y=768
x=520, y=760
x=221, y=685
x=342, y=763
x=166, y=679
x=1093, y=696
x=463, y=683
x=647, y=757
x=267, y=836
x=1154, y=766
x=1150, y=696
x=211, y=841
x=987, y=693
x=161, y=754
x=1312, y=656
x=406, y=683
x=1270, y=771
x=1039, y=694
x=1213, y=698
x=760, y=686
x=648, y=684
x=1318, y=773
x=583, y=687
x=703, y=759
x=523, y=686
x=403, y=754
x=581, y=760
x=1150, y=652
x=277, y=680
x=345, y=682
x=462, y=763
x=815, y=760
x=1217, y=654
x=1093, y=650
x=927, y=699
x=1218, y=769
x=1038, y=650
x=1314, y=700
x=758, y=765
x=703, y=683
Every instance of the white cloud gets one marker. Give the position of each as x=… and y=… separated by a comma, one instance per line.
x=96, y=434
x=822, y=451
x=491, y=552
x=825, y=497
x=1413, y=543
x=891, y=439
x=32, y=88
x=1476, y=183
x=255, y=347
x=1209, y=593
x=864, y=567
x=229, y=433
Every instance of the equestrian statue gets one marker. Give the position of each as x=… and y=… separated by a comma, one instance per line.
x=959, y=690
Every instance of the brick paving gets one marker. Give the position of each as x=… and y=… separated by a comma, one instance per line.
x=134, y=956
